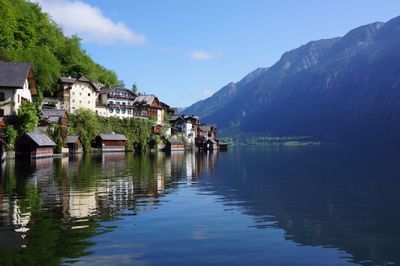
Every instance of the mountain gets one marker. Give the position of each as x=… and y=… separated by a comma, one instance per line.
x=345, y=88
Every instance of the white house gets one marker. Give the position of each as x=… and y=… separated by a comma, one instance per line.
x=77, y=93
x=17, y=84
x=117, y=102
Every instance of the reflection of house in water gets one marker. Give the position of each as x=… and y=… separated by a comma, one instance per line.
x=190, y=164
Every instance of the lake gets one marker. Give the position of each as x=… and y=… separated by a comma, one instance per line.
x=256, y=205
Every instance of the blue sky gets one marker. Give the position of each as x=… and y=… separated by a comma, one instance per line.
x=184, y=51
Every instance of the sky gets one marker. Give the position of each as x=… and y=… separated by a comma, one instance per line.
x=185, y=50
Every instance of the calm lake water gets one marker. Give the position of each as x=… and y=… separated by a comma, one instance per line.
x=270, y=205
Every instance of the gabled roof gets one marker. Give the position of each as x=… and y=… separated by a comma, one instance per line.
x=48, y=112
x=52, y=115
x=175, y=117
x=174, y=140
x=71, y=80
x=112, y=137
x=40, y=139
x=72, y=139
x=116, y=90
x=205, y=128
x=14, y=74
x=145, y=100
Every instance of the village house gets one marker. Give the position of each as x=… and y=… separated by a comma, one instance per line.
x=206, y=132
x=77, y=93
x=118, y=102
x=148, y=106
x=74, y=144
x=51, y=117
x=187, y=125
x=17, y=85
x=175, y=144
x=35, y=145
x=111, y=142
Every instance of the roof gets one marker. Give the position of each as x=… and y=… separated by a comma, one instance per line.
x=48, y=112
x=144, y=100
x=52, y=115
x=112, y=137
x=205, y=128
x=72, y=139
x=71, y=80
x=40, y=139
x=116, y=89
x=175, y=117
x=13, y=75
x=67, y=80
x=175, y=140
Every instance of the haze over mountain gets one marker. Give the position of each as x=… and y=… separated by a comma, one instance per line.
x=334, y=89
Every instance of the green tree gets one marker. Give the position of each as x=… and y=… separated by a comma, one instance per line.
x=58, y=134
x=28, y=117
x=11, y=136
x=134, y=88
x=85, y=123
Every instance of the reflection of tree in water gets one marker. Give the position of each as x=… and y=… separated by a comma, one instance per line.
x=342, y=198
x=59, y=202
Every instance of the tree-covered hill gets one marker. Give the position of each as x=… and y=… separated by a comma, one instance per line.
x=29, y=34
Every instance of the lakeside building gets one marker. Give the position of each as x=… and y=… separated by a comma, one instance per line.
x=77, y=93
x=74, y=144
x=17, y=85
x=51, y=117
x=35, y=145
x=148, y=106
x=111, y=142
x=185, y=124
x=117, y=102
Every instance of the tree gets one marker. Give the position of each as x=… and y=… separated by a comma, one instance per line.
x=11, y=136
x=28, y=117
x=86, y=124
x=58, y=134
x=134, y=88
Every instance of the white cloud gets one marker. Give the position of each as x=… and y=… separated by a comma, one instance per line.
x=89, y=23
x=201, y=55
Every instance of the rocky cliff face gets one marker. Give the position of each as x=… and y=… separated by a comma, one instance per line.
x=336, y=89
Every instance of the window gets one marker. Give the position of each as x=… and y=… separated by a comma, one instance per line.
x=88, y=102
x=117, y=111
x=1, y=112
x=88, y=94
x=80, y=101
x=80, y=93
x=19, y=98
x=129, y=111
x=111, y=110
x=111, y=102
x=73, y=101
x=73, y=93
x=123, y=111
x=2, y=96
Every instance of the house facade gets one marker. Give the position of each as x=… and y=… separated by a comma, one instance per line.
x=117, y=102
x=150, y=107
x=187, y=125
x=17, y=85
x=77, y=93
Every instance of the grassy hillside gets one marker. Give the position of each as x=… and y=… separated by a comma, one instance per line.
x=28, y=34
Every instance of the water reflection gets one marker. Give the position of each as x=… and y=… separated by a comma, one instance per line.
x=53, y=211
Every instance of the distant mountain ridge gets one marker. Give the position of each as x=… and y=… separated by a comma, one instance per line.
x=334, y=89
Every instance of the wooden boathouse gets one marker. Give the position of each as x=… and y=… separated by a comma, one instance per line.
x=74, y=144
x=111, y=142
x=34, y=145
